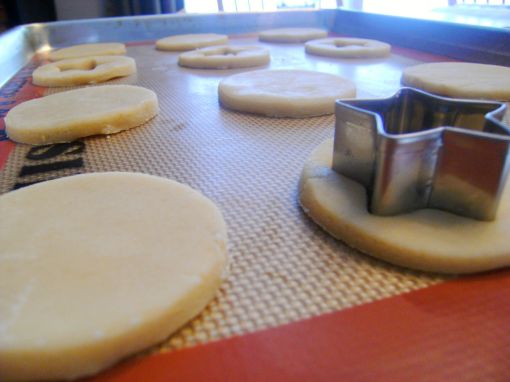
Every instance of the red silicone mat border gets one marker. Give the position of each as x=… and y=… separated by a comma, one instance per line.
x=457, y=330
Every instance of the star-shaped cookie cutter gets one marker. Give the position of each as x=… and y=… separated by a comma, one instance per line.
x=416, y=150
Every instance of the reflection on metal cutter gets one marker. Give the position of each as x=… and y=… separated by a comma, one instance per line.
x=417, y=150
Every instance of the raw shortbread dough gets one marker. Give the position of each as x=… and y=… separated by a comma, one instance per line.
x=460, y=79
x=346, y=47
x=427, y=239
x=66, y=116
x=284, y=93
x=292, y=35
x=87, y=50
x=190, y=41
x=80, y=71
x=96, y=267
x=225, y=57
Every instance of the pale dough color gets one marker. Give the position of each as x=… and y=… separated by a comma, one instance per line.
x=96, y=267
x=460, y=79
x=292, y=35
x=80, y=71
x=190, y=41
x=86, y=50
x=346, y=47
x=225, y=57
x=428, y=239
x=284, y=93
x=66, y=116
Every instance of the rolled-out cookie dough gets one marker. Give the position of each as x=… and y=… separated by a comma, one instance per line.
x=428, y=239
x=284, y=93
x=96, y=267
x=190, y=41
x=292, y=35
x=86, y=50
x=225, y=57
x=66, y=116
x=86, y=70
x=460, y=79
x=346, y=47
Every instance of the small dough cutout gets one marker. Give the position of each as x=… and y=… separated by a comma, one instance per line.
x=190, y=41
x=346, y=47
x=460, y=79
x=81, y=71
x=427, y=239
x=66, y=116
x=292, y=35
x=225, y=57
x=96, y=267
x=284, y=93
x=87, y=50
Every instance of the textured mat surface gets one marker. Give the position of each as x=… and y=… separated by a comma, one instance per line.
x=283, y=268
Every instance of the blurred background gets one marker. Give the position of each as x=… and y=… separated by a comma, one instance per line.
x=488, y=13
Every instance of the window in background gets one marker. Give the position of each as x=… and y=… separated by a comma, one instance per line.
x=211, y=6
x=402, y=7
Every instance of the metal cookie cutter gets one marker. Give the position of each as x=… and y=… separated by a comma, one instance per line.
x=417, y=150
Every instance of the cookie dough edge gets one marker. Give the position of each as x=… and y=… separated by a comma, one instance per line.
x=39, y=365
x=34, y=366
x=204, y=62
x=382, y=50
x=125, y=68
x=137, y=116
x=273, y=106
x=162, y=45
x=409, y=77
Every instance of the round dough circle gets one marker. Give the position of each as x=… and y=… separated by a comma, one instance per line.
x=428, y=239
x=86, y=50
x=225, y=57
x=460, y=79
x=345, y=47
x=284, y=93
x=66, y=116
x=96, y=267
x=80, y=71
x=190, y=41
x=292, y=35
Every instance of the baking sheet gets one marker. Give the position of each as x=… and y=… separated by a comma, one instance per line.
x=284, y=268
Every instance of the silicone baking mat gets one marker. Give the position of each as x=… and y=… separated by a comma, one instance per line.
x=283, y=268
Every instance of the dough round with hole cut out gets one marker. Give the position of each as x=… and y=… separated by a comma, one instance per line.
x=81, y=71
x=284, y=93
x=428, y=239
x=87, y=50
x=346, y=47
x=66, y=116
x=292, y=35
x=96, y=267
x=225, y=57
x=460, y=79
x=191, y=41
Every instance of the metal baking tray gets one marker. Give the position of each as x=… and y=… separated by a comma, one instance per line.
x=459, y=41
x=284, y=267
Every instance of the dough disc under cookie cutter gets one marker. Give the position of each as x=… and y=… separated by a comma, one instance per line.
x=81, y=71
x=225, y=57
x=415, y=180
x=346, y=47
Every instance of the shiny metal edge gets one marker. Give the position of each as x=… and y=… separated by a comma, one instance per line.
x=419, y=150
x=16, y=50
x=18, y=46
